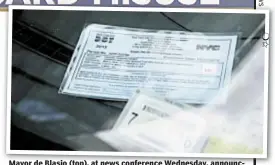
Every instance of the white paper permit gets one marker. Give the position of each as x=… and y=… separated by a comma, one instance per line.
x=149, y=124
x=144, y=107
x=112, y=62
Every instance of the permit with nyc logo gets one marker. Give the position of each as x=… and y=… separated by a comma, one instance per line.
x=112, y=62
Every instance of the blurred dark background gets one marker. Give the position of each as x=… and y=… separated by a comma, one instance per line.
x=43, y=42
x=23, y=140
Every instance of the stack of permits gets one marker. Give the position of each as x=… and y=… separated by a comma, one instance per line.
x=112, y=62
x=150, y=124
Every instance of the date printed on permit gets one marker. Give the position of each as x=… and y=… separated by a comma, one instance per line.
x=112, y=62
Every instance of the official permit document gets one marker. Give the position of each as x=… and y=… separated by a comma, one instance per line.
x=150, y=124
x=112, y=62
